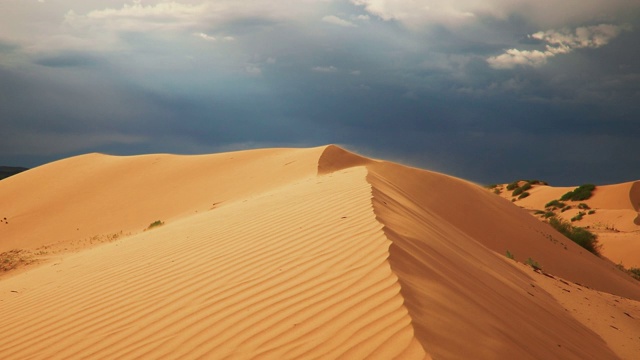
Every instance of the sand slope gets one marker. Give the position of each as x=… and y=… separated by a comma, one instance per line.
x=615, y=218
x=95, y=194
x=307, y=253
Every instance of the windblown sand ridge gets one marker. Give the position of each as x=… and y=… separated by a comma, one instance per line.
x=306, y=253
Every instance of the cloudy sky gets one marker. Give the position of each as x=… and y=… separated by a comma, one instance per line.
x=487, y=90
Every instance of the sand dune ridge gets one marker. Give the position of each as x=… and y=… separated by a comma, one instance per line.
x=297, y=253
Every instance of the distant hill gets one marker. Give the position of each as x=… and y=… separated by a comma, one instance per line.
x=6, y=171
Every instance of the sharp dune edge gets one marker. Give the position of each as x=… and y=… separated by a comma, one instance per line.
x=294, y=253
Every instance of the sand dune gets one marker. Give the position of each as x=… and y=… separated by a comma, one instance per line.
x=295, y=253
x=614, y=215
x=95, y=194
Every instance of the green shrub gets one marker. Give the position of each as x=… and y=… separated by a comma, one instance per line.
x=555, y=203
x=583, y=192
x=15, y=258
x=583, y=206
x=534, y=264
x=510, y=255
x=523, y=195
x=578, y=217
x=562, y=226
x=492, y=186
x=497, y=191
x=591, y=212
x=521, y=189
x=539, y=212
x=580, y=236
x=155, y=224
x=549, y=214
x=513, y=185
x=635, y=272
x=568, y=207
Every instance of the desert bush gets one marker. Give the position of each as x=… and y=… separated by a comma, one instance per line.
x=591, y=212
x=497, y=191
x=513, y=185
x=523, y=195
x=568, y=207
x=534, y=264
x=12, y=259
x=549, y=214
x=634, y=272
x=580, y=236
x=510, y=255
x=578, y=217
x=492, y=186
x=555, y=203
x=583, y=206
x=583, y=192
x=155, y=224
x=539, y=212
x=521, y=189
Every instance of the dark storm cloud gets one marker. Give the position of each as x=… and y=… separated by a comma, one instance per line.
x=391, y=81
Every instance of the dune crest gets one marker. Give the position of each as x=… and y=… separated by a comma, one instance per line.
x=335, y=158
x=299, y=253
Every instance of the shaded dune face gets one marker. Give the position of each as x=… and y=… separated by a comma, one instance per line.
x=296, y=254
x=448, y=238
x=466, y=302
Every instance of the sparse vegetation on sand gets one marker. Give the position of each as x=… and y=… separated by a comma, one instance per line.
x=555, y=204
x=578, y=217
x=155, y=224
x=12, y=259
x=534, y=264
x=583, y=206
x=513, y=185
x=579, y=235
x=519, y=190
x=583, y=192
x=634, y=272
x=516, y=184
